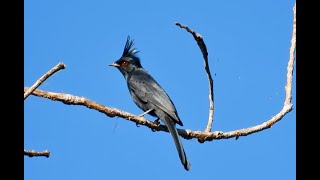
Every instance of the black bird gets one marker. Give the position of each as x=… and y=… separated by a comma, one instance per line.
x=149, y=95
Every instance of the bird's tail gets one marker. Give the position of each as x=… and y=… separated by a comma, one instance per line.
x=173, y=131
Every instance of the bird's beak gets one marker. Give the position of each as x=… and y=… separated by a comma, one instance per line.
x=114, y=65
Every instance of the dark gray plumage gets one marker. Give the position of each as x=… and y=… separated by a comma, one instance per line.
x=149, y=95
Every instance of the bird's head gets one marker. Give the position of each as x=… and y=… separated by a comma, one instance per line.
x=129, y=60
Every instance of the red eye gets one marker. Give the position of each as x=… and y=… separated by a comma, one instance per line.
x=124, y=63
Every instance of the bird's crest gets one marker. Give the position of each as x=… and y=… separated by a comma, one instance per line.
x=129, y=50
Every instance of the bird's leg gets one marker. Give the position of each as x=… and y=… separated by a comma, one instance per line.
x=145, y=112
x=141, y=115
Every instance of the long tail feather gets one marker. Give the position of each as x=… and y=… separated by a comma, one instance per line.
x=173, y=131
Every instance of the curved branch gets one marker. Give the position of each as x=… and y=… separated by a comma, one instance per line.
x=204, y=51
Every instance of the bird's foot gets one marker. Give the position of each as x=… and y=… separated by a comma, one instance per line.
x=157, y=121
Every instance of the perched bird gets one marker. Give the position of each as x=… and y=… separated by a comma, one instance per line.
x=149, y=96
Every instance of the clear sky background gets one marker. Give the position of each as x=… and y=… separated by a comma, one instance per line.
x=248, y=44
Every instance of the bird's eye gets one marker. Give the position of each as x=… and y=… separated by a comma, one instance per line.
x=124, y=63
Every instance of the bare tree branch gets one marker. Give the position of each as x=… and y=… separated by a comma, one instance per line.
x=43, y=78
x=288, y=87
x=187, y=134
x=33, y=153
x=204, y=51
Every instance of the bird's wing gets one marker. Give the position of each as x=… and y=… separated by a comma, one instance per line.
x=148, y=90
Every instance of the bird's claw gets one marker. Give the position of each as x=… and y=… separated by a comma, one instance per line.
x=157, y=121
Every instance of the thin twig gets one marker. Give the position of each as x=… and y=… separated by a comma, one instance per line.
x=43, y=78
x=288, y=87
x=204, y=51
x=33, y=153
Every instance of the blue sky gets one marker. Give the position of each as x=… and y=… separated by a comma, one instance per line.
x=248, y=44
